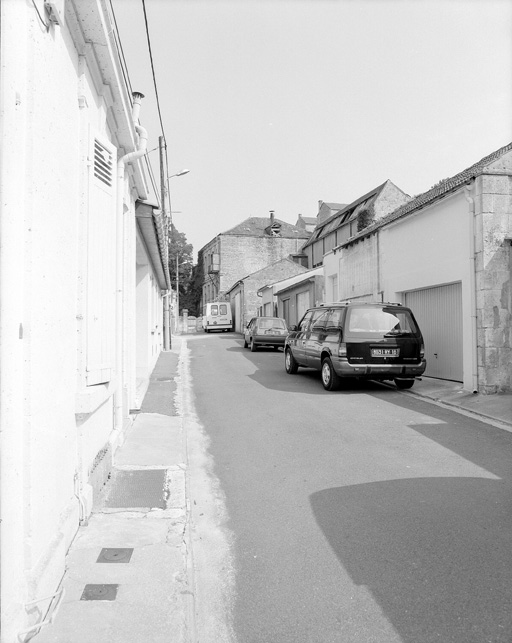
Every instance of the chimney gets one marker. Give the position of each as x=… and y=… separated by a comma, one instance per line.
x=137, y=97
x=271, y=218
x=323, y=213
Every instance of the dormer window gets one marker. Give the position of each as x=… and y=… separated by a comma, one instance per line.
x=274, y=230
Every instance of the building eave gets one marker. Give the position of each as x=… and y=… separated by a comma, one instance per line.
x=152, y=226
x=90, y=25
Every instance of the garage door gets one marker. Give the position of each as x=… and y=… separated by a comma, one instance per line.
x=238, y=313
x=302, y=304
x=438, y=311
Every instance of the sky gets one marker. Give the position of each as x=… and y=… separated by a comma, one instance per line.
x=278, y=104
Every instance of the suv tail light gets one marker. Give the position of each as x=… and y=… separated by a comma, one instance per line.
x=342, y=350
x=422, y=351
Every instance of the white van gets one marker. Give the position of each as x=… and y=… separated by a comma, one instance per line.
x=217, y=316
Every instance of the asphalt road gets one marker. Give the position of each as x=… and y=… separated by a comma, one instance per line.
x=360, y=516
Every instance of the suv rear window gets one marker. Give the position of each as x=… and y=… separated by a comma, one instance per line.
x=381, y=321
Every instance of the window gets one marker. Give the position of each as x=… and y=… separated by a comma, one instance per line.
x=334, y=321
x=214, y=310
x=223, y=309
x=320, y=320
x=381, y=320
x=286, y=310
x=304, y=323
x=329, y=242
x=343, y=234
x=318, y=252
x=316, y=315
x=302, y=303
x=271, y=323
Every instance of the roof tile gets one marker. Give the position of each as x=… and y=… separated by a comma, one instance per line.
x=437, y=191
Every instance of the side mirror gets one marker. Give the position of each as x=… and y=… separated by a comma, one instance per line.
x=293, y=327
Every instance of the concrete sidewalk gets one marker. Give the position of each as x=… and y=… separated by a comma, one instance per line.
x=496, y=408
x=128, y=575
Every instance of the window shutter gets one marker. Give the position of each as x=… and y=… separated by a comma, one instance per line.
x=101, y=264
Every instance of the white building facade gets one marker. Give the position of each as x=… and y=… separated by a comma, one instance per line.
x=83, y=268
x=447, y=254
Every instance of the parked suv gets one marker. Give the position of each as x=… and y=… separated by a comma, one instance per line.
x=375, y=341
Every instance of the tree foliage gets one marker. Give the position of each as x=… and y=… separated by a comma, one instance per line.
x=190, y=277
x=180, y=257
x=364, y=218
x=193, y=295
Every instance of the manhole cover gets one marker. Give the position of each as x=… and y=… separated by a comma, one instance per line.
x=115, y=555
x=99, y=593
x=136, y=489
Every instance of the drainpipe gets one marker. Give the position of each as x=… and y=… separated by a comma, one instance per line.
x=121, y=166
x=468, y=193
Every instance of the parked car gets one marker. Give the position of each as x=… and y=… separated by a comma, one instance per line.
x=374, y=341
x=265, y=331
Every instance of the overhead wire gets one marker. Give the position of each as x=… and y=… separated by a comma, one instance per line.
x=152, y=67
x=46, y=25
x=158, y=106
x=119, y=44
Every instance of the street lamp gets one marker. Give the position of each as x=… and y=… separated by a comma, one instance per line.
x=180, y=173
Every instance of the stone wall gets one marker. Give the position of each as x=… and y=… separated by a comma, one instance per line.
x=493, y=265
x=242, y=256
x=253, y=283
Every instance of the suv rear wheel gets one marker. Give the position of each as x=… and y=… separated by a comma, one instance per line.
x=404, y=383
x=330, y=379
x=290, y=363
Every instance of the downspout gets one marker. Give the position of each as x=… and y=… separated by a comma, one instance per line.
x=468, y=189
x=121, y=166
x=379, y=289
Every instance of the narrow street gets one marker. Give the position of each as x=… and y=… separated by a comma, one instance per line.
x=361, y=516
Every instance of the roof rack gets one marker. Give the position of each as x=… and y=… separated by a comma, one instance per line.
x=344, y=302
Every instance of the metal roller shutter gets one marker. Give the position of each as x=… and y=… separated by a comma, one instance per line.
x=438, y=311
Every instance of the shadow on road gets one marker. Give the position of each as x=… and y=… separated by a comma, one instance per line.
x=434, y=552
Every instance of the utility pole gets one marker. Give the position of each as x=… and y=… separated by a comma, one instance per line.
x=177, y=293
x=167, y=325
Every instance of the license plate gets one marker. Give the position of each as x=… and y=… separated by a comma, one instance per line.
x=385, y=352
x=271, y=332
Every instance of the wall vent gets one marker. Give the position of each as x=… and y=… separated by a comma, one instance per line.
x=103, y=163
